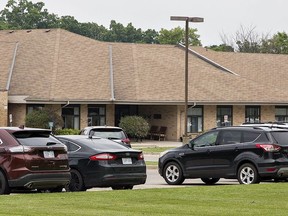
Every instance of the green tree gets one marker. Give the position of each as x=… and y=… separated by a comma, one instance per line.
x=177, y=35
x=24, y=14
x=41, y=119
x=221, y=48
x=135, y=126
x=278, y=44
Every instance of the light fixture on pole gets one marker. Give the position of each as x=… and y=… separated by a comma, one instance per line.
x=187, y=20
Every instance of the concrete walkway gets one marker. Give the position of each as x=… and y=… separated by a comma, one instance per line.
x=154, y=143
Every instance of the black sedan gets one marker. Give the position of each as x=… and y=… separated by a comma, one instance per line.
x=98, y=162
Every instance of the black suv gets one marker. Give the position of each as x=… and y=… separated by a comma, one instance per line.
x=249, y=154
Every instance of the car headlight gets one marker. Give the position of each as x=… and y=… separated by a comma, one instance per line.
x=163, y=153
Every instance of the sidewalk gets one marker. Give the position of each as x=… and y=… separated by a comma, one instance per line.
x=154, y=143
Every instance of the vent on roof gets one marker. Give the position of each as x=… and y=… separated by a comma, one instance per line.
x=28, y=31
x=47, y=30
x=11, y=31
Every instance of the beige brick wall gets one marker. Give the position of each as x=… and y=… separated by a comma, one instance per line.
x=238, y=115
x=267, y=113
x=169, y=118
x=209, y=117
x=110, y=114
x=3, y=108
x=83, y=116
x=18, y=112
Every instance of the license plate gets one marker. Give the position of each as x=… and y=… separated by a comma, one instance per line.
x=126, y=161
x=48, y=154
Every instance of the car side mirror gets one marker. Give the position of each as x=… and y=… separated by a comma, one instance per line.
x=191, y=145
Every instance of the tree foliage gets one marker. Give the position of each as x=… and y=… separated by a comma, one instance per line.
x=24, y=14
x=249, y=41
x=177, y=35
x=41, y=119
x=135, y=126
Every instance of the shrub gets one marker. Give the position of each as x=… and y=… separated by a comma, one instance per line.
x=66, y=131
x=41, y=119
x=135, y=126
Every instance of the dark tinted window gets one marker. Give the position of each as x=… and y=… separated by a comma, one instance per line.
x=230, y=137
x=250, y=136
x=281, y=137
x=71, y=147
x=262, y=138
x=206, y=139
x=34, y=138
x=101, y=144
x=108, y=133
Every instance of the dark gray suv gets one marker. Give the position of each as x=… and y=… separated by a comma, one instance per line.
x=249, y=154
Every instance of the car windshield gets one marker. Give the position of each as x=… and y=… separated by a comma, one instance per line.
x=35, y=138
x=108, y=134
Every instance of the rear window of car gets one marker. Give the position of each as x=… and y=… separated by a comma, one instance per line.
x=281, y=137
x=35, y=138
x=108, y=133
x=101, y=144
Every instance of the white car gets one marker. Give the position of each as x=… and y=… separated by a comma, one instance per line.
x=116, y=134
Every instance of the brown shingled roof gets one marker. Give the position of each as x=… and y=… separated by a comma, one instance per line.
x=57, y=65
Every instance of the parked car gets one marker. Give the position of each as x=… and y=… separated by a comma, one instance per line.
x=249, y=154
x=32, y=159
x=98, y=162
x=116, y=134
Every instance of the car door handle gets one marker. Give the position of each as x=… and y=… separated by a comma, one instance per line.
x=208, y=151
x=236, y=149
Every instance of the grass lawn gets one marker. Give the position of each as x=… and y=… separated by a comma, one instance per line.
x=262, y=199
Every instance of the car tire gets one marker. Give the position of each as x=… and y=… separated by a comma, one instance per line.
x=173, y=174
x=76, y=182
x=4, y=187
x=210, y=181
x=248, y=174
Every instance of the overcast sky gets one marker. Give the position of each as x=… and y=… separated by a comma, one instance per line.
x=221, y=17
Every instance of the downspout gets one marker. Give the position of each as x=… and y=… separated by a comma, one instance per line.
x=111, y=74
x=12, y=67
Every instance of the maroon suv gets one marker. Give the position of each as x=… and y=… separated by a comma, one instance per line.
x=32, y=159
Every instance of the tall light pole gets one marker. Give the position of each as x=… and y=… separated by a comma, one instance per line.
x=187, y=20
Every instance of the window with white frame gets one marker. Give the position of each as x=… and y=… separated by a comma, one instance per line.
x=281, y=113
x=71, y=116
x=96, y=115
x=195, y=119
x=252, y=114
x=224, y=116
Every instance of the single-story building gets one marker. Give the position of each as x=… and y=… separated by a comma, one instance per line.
x=90, y=82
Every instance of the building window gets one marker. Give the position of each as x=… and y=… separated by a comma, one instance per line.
x=252, y=114
x=96, y=115
x=32, y=107
x=224, y=116
x=281, y=113
x=195, y=119
x=71, y=116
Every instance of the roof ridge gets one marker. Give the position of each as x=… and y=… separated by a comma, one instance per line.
x=209, y=61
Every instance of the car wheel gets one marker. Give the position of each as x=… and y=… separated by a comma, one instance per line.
x=210, y=181
x=173, y=174
x=76, y=182
x=4, y=187
x=248, y=174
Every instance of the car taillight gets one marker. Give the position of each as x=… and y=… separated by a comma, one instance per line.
x=269, y=147
x=141, y=156
x=127, y=141
x=20, y=149
x=104, y=156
